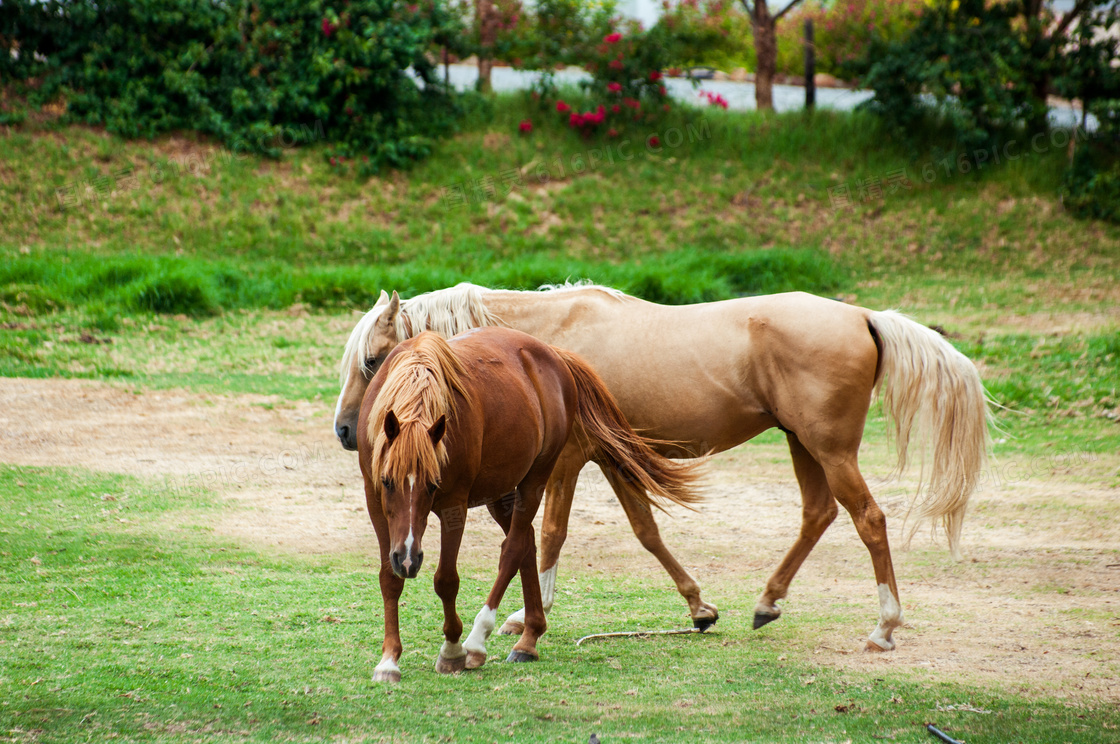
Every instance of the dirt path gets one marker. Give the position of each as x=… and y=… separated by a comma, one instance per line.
x=1034, y=609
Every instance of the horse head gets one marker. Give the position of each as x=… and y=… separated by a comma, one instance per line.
x=370, y=342
x=408, y=486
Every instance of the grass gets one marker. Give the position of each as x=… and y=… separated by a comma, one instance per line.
x=240, y=276
x=122, y=619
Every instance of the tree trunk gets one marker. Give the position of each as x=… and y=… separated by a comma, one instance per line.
x=487, y=30
x=763, y=26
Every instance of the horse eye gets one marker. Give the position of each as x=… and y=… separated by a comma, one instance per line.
x=387, y=484
x=370, y=365
x=432, y=488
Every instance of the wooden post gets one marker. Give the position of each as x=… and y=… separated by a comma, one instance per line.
x=810, y=66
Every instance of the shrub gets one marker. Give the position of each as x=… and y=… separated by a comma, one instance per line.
x=714, y=33
x=842, y=31
x=969, y=57
x=253, y=74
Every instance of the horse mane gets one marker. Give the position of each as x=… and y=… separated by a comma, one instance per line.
x=419, y=388
x=448, y=312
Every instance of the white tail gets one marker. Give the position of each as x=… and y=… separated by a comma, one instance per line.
x=930, y=388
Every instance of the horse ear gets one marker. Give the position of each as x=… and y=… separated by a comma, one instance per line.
x=437, y=430
x=390, y=315
x=392, y=426
x=383, y=298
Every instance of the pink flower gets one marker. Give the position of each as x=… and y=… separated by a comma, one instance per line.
x=654, y=141
x=525, y=126
x=328, y=27
x=612, y=132
x=575, y=119
x=616, y=64
x=654, y=76
x=632, y=103
x=615, y=109
x=613, y=38
x=562, y=107
x=614, y=87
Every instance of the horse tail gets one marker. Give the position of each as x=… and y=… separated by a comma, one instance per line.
x=647, y=477
x=928, y=386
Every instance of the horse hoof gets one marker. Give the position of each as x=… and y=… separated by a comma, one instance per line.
x=703, y=623
x=519, y=657
x=387, y=676
x=874, y=647
x=761, y=618
x=450, y=666
x=475, y=659
x=511, y=627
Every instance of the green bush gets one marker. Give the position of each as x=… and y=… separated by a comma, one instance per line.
x=713, y=33
x=970, y=57
x=256, y=75
x=842, y=31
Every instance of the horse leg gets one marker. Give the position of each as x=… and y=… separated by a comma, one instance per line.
x=851, y=491
x=487, y=617
x=818, y=510
x=391, y=588
x=704, y=615
x=535, y=624
x=452, y=656
x=554, y=530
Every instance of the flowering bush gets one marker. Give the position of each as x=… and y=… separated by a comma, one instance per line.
x=243, y=72
x=714, y=99
x=550, y=33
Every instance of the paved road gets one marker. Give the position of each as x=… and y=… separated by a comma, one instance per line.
x=740, y=96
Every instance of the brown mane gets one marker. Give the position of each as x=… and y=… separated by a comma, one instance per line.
x=419, y=387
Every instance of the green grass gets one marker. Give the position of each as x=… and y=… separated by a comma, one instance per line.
x=121, y=619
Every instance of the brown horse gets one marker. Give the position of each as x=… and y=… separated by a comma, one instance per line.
x=712, y=376
x=481, y=421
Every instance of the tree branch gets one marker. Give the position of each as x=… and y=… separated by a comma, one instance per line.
x=1069, y=17
x=785, y=10
x=748, y=7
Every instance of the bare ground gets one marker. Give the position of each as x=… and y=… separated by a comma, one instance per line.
x=1033, y=609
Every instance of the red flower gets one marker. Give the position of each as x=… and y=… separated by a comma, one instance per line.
x=615, y=109
x=328, y=27
x=655, y=76
x=613, y=38
x=575, y=119
x=632, y=103
x=667, y=107
x=616, y=64
x=562, y=107
x=525, y=126
x=654, y=141
x=661, y=90
x=612, y=132
x=614, y=87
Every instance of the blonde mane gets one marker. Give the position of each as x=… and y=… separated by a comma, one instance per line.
x=420, y=388
x=446, y=311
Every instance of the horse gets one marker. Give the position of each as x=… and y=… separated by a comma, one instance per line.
x=481, y=420
x=708, y=377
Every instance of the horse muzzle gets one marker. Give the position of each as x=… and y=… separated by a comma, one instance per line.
x=346, y=436
x=405, y=563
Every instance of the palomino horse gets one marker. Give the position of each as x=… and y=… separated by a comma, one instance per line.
x=709, y=377
x=482, y=420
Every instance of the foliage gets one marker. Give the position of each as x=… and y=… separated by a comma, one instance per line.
x=548, y=34
x=842, y=31
x=969, y=56
x=1091, y=186
x=714, y=33
x=244, y=72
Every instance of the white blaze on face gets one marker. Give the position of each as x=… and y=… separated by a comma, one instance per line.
x=483, y=626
